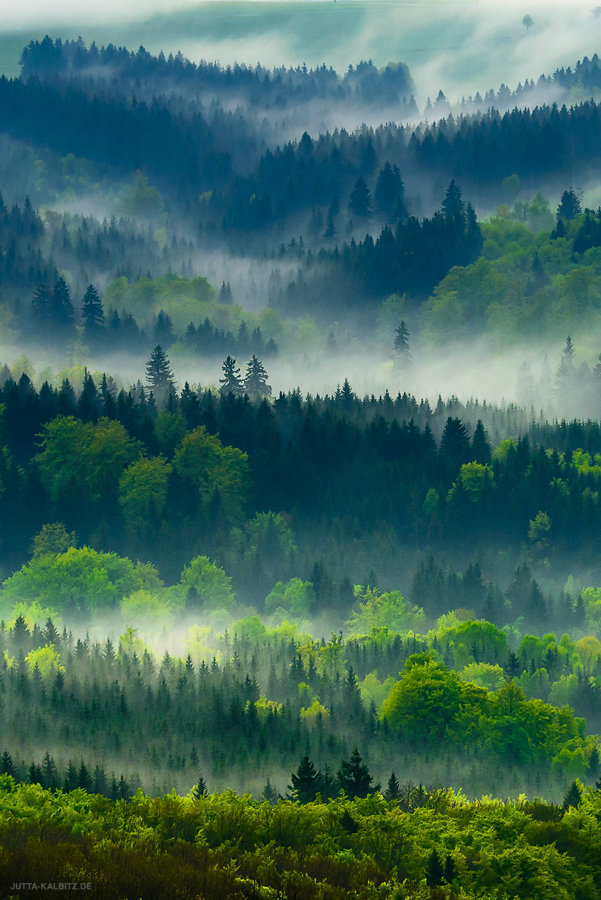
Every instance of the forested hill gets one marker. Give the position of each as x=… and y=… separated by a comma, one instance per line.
x=213, y=163
x=252, y=86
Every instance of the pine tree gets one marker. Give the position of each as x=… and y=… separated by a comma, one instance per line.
x=61, y=312
x=453, y=207
x=92, y=314
x=200, y=788
x=573, y=796
x=231, y=383
x=305, y=782
x=566, y=371
x=255, y=380
x=163, y=330
x=49, y=773
x=402, y=353
x=225, y=293
x=159, y=376
x=389, y=191
x=7, y=767
x=569, y=205
x=393, y=788
x=360, y=199
x=269, y=793
x=354, y=778
x=40, y=305
x=480, y=446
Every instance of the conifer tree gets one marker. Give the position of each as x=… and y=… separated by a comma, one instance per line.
x=402, y=352
x=159, y=376
x=360, y=199
x=269, y=793
x=200, y=788
x=573, y=796
x=305, y=782
x=255, y=380
x=393, y=789
x=40, y=305
x=231, y=383
x=60, y=309
x=92, y=314
x=354, y=778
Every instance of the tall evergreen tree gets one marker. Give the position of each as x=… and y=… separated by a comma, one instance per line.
x=402, y=352
x=61, y=312
x=354, y=777
x=231, y=383
x=569, y=205
x=255, y=380
x=92, y=314
x=159, y=376
x=305, y=781
x=360, y=199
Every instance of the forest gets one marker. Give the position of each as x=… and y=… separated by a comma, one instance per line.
x=300, y=480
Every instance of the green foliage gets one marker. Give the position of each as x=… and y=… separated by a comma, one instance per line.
x=205, y=586
x=228, y=845
x=82, y=463
x=53, y=538
x=388, y=610
x=77, y=581
x=203, y=462
x=142, y=495
x=296, y=597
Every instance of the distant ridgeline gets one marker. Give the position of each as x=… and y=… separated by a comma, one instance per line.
x=256, y=86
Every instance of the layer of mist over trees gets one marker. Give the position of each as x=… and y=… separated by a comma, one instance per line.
x=359, y=608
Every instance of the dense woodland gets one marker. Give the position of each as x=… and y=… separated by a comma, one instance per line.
x=286, y=638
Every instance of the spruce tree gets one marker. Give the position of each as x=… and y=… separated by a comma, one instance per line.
x=92, y=314
x=389, y=191
x=569, y=205
x=60, y=309
x=306, y=782
x=231, y=383
x=40, y=305
x=360, y=199
x=255, y=380
x=354, y=778
x=402, y=352
x=200, y=788
x=159, y=376
x=573, y=796
x=393, y=788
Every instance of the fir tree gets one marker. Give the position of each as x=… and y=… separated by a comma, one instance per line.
x=305, y=782
x=269, y=793
x=200, y=788
x=231, y=383
x=402, y=352
x=255, y=380
x=573, y=796
x=159, y=376
x=360, y=199
x=569, y=205
x=393, y=789
x=60, y=310
x=92, y=314
x=354, y=778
